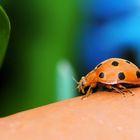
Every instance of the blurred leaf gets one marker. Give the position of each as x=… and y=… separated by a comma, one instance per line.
x=4, y=33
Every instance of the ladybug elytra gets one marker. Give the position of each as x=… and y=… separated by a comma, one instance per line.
x=112, y=73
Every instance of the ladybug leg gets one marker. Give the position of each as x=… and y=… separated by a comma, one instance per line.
x=88, y=93
x=125, y=89
x=116, y=89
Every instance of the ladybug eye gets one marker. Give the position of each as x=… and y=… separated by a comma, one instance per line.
x=82, y=84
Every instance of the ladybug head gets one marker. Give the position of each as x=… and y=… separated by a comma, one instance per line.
x=82, y=84
x=90, y=80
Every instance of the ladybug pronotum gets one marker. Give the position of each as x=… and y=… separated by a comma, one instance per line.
x=113, y=73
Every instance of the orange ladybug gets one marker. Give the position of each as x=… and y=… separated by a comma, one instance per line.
x=113, y=73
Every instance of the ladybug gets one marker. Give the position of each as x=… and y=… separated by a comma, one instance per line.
x=113, y=73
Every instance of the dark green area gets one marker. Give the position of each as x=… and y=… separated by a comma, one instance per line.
x=42, y=34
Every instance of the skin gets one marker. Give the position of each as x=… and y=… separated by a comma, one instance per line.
x=104, y=115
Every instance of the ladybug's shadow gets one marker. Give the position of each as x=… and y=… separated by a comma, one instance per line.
x=101, y=87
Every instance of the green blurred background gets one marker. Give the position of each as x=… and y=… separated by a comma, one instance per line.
x=39, y=61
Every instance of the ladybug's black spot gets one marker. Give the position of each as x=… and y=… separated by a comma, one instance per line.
x=99, y=65
x=101, y=75
x=121, y=76
x=138, y=74
x=127, y=61
x=115, y=63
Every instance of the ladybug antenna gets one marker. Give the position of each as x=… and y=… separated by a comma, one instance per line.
x=75, y=80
